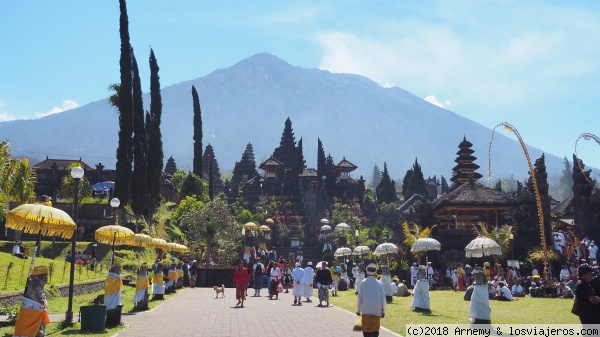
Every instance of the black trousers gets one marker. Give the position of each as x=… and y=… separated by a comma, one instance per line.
x=371, y=334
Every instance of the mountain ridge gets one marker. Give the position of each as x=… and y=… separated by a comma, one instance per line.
x=355, y=118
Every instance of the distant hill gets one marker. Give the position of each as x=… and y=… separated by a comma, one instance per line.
x=355, y=118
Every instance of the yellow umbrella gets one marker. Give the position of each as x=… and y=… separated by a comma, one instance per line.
x=176, y=247
x=41, y=220
x=183, y=248
x=139, y=240
x=250, y=225
x=264, y=228
x=269, y=220
x=159, y=243
x=113, y=234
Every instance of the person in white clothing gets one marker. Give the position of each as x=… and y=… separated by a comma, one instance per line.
x=593, y=249
x=307, y=281
x=413, y=274
x=371, y=303
x=503, y=293
x=298, y=290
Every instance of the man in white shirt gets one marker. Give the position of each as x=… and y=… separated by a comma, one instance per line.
x=371, y=303
x=298, y=290
x=429, y=270
x=307, y=281
x=394, y=286
x=517, y=290
x=17, y=250
x=593, y=249
x=503, y=293
x=413, y=274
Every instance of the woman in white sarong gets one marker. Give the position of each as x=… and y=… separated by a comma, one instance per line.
x=420, y=301
x=360, y=276
x=386, y=282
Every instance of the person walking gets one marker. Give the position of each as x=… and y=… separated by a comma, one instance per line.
x=275, y=278
x=336, y=274
x=324, y=279
x=240, y=280
x=307, y=281
x=257, y=275
x=287, y=277
x=298, y=290
x=371, y=303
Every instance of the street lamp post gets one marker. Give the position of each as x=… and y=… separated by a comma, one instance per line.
x=77, y=173
x=114, y=203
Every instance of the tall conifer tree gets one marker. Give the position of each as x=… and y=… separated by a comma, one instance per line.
x=321, y=160
x=386, y=190
x=138, y=180
x=125, y=148
x=211, y=182
x=155, y=156
x=197, y=134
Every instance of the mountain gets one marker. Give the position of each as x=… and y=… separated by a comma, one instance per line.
x=249, y=102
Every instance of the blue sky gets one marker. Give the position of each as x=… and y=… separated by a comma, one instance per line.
x=535, y=64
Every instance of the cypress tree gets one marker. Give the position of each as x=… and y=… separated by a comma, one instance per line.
x=321, y=160
x=376, y=177
x=416, y=184
x=211, y=181
x=386, y=190
x=138, y=180
x=406, y=183
x=155, y=157
x=125, y=99
x=197, y=134
x=444, y=188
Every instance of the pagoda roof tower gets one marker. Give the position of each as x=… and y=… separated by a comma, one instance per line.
x=465, y=168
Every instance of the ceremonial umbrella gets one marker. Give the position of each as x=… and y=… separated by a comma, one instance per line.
x=324, y=221
x=183, y=248
x=41, y=220
x=139, y=240
x=176, y=247
x=360, y=250
x=325, y=228
x=264, y=228
x=159, y=243
x=113, y=234
x=343, y=227
x=425, y=245
x=269, y=220
x=482, y=246
x=250, y=225
x=342, y=251
x=386, y=248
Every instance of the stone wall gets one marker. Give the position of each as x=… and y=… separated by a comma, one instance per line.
x=10, y=299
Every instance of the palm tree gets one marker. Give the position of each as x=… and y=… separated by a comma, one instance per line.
x=24, y=181
x=380, y=232
x=413, y=233
x=502, y=235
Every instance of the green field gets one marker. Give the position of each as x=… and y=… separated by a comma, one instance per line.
x=449, y=307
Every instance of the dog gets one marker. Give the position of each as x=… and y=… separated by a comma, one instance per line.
x=220, y=289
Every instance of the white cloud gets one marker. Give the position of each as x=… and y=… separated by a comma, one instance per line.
x=66, y=105
x=475, y=57
x=433, y=100
x=5, y=116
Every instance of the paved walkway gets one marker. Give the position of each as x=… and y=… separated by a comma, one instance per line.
x=196, y=312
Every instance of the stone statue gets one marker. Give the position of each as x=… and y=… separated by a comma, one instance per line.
x=158, y=281
x=420, y=301
x=141, y=286
x=479, y=308
x=33, y=314
x=114, y=287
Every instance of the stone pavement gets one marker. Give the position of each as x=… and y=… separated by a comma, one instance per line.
x=196, y=312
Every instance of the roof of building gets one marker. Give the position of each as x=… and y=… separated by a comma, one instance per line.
x=564, y=207
x=345, y=165
x=407, y=206
x=309, y=172
x=65, y=164
x=474, y=194
x=271, y=162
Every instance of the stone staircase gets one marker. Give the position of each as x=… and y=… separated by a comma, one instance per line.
x=310, y=253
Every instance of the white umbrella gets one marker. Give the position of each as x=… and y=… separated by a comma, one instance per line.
x=342, y=251
x=342, y=227
x=386, y=248
x=325, y=228
x=359, y=250
x=482, y=246
x=425, y=244
x=324, y=221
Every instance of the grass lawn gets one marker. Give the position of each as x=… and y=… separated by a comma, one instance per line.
x=449, y=307
x=58, y=305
